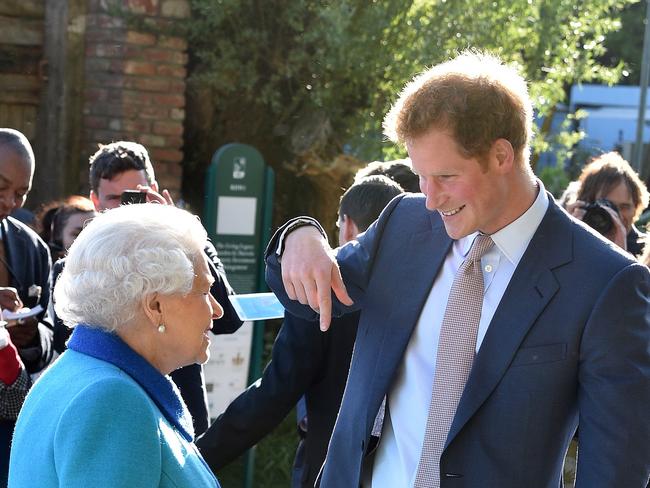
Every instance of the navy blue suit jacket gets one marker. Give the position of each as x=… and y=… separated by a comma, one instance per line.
x=568, y=343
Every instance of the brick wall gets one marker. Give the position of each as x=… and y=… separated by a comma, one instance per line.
x=135, y=83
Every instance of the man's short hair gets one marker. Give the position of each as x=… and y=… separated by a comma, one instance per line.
x=117, y=157
x=606, y=172
x=17, y=142
x=366, y=198
x=399, y=170
x=475, y=97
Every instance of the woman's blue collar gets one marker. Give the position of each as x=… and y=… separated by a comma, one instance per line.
x=110, y=348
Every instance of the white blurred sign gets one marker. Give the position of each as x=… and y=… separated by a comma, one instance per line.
x=236, y=216
x=226, y=373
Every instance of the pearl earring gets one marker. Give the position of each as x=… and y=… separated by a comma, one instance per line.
x=161, y=328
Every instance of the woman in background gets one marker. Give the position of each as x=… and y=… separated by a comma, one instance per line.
x=61, y=222
x=136, y=286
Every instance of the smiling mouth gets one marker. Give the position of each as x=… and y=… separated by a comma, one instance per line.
x=449, y=213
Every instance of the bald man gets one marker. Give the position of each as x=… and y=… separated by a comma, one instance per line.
x=24, y=271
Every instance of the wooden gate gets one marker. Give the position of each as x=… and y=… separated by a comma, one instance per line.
x=21, y=65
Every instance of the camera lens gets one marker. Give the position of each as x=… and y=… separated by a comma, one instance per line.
x=598, y=218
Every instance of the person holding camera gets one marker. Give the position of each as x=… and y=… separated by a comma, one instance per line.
x=121, y=172
x=610, y=198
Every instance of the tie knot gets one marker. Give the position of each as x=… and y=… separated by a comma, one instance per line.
x=481, y=245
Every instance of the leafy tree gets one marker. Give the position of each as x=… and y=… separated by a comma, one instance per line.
x=626, y=44
x=306, y=82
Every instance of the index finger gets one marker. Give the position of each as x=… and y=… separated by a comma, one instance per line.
x=324, y=291
x=168, y=197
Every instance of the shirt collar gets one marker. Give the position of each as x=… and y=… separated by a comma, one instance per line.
x=110, y=348
x=514, y=238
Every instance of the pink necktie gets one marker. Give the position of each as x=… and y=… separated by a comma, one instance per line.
x=456, y=350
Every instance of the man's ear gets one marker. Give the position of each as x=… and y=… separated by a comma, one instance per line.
x=349, y=230
x=503, y=155
x=95, y=199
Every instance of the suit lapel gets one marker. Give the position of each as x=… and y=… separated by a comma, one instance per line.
x=426, y=252
x=531, y=287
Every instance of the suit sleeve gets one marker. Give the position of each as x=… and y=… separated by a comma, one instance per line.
x=355, y=261
x=108, y=436
x=220, y=290
x=296, y=360
x=614, y=385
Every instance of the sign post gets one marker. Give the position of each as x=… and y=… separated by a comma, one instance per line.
x=238, y=211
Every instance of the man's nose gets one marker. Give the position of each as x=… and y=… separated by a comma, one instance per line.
x=432, y=195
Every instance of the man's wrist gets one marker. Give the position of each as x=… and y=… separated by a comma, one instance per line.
x=295, y=225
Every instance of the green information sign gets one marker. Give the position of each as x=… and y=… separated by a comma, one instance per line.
x=238, y=211
x=238, y=187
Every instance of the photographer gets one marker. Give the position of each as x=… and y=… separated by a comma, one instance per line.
x=602, y=216
x=609, y=186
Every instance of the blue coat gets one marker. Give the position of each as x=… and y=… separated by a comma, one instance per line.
x=101, y=416
x=569, y=342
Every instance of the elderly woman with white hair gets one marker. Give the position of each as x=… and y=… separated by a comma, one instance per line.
x=136, y=288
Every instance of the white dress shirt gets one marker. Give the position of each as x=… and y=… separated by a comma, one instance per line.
x=398, y=453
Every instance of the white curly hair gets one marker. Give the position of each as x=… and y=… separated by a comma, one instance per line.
x=121, y=257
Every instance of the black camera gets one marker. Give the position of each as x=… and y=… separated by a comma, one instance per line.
x=133, y=196
x=598, y=218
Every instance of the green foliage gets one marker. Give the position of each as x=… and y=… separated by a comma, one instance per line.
x=555, y=179
x=319, y=76
x=626, y=44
